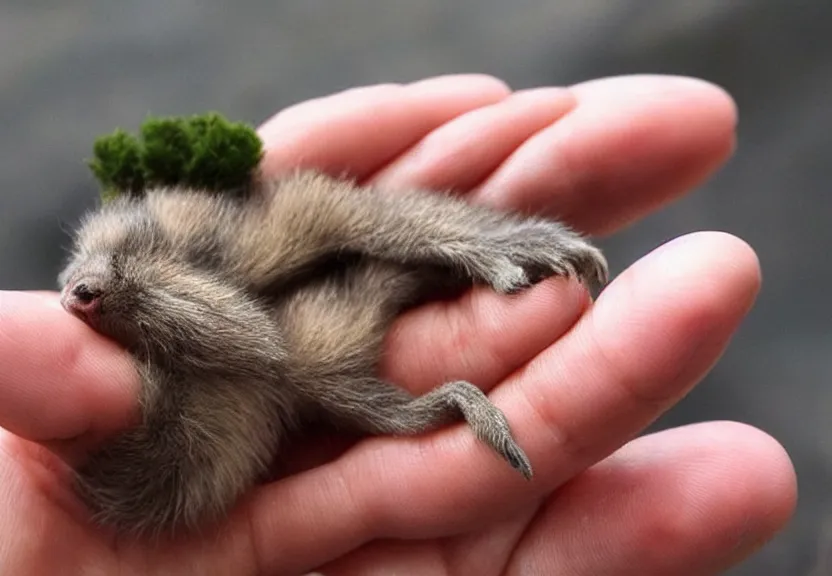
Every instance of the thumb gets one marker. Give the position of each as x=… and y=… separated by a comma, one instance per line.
x=59, y=380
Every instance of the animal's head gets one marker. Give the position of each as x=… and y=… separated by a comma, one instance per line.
x=131, y=281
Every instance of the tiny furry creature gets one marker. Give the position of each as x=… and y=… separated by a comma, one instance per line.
x=248, y=313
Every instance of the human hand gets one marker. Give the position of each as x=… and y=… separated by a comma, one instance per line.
x=576, y=380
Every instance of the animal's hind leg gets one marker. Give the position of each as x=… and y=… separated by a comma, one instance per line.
x=334, y=328
x=377, y=407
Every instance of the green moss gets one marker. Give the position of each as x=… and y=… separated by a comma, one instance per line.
x=117, y=162
x=225, y=154
x=167, y=150
x=205, y=151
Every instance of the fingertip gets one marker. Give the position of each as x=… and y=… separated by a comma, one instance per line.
x=733, y=488
x=681, y=303
x=719, y=269
x=707, y=114
x=648, y=339
x=630, y=145
x=641, y=86
x=690, y=500
x=769, y=484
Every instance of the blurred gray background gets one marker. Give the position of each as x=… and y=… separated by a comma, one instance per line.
x=70, y=71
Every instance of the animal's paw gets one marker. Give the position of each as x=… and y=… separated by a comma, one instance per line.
x=531, y=251
x=495, y=430
x=515, y=456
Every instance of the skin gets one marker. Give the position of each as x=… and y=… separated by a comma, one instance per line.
x=579, y=379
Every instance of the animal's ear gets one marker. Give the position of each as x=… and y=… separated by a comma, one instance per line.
x=117, y=164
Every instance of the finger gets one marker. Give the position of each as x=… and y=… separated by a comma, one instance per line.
x=650, y=337
x=483, y=552
x=629, y=146
x=481, y=337
x=463, y=152
x=425, y=341
x=693, y=500
x=358, y=131
x=60, y=379
x=690, y=501
x=652, y=334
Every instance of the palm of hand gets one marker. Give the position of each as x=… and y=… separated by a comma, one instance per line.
x=577, y=381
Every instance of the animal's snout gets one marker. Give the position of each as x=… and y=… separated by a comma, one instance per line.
x=82, y=299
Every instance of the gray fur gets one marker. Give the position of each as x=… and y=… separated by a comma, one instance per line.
x=247, y=315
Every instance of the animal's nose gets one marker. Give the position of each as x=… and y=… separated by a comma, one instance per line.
x=82, y=300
